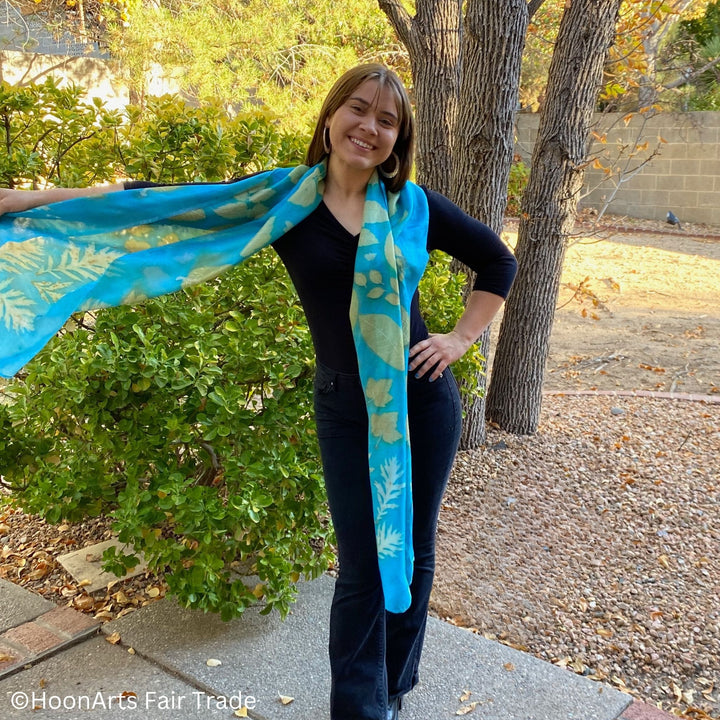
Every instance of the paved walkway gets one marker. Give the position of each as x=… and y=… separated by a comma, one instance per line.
x=58, y=663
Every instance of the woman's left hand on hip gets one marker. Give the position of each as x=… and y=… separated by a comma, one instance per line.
x=436, y=353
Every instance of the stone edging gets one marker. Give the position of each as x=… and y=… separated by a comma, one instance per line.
x=45, y=635
x=639, y=393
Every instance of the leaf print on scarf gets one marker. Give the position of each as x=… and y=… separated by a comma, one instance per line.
x=384, y=426
x=384, y=337
x=388, y=541
x=390, y=489
x=16, y=310
x=306, y=193
x=203, y=273
x=80, y=265
x=379, y=391
x=394, y=257
x=240, y=210
x=17, y=257
x=260, y=240
x=189, y=216
x=51, y=292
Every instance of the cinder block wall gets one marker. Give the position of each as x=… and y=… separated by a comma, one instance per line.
x=681, y=174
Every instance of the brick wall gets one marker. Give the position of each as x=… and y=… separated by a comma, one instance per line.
x=684, y=175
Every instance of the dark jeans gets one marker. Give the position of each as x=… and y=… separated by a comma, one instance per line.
x=374, y=654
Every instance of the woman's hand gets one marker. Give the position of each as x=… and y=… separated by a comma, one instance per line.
x=21, y=200
x=439, y=351
x=18, y=200
x=436, y=353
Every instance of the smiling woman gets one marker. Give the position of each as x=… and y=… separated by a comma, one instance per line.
x=355, y=236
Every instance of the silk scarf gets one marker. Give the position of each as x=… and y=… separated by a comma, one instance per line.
x=124, y=247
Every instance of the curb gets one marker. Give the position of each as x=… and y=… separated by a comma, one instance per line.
x=45, y=635
x=711, y=399
x=642, y=711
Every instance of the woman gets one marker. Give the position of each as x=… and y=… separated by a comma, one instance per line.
x=355, y=255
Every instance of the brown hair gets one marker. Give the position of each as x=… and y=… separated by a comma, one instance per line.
x=338, y=95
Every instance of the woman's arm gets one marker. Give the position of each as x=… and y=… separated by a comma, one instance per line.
x=440, y=350
x=20, y=200
x=477, y=246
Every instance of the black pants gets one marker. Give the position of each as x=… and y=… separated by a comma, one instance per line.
x=374, y=654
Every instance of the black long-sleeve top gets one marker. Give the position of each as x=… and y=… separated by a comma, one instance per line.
x=319, y=253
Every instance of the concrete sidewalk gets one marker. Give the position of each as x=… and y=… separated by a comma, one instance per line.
x=56, y=663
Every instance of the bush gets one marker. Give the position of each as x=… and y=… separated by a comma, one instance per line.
x=519, y=174
x=54, y=137
x=188, y=421
x=442, y=303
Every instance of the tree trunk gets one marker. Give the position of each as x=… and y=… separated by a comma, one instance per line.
x=432, y=39
x=648, y=85
x=492, y=47
x=548, y=212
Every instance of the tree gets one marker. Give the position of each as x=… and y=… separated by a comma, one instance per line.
x=694, y=54
x=548, y=211
x=493, y=39
x=433, y=39
x=251, y=54
x=84, y=19
x=466, y=72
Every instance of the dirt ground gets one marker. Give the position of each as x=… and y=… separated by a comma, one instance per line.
x=590, y=544
x=639, y=310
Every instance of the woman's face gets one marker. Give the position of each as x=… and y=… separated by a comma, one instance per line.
x=363, y=130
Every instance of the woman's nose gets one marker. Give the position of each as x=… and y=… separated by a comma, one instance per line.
x=369, y=123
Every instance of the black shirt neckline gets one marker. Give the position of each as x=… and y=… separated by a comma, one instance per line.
x=336, y=222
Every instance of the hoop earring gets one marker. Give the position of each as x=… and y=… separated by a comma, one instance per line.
x=391, y=175
x=326, y=140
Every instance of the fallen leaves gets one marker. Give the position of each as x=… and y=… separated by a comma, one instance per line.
x=285, y=699
x=467, y=708
x=651, y=368
x=113, y=638
x=213, y=662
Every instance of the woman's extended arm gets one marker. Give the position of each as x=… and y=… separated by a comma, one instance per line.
x=20, y=200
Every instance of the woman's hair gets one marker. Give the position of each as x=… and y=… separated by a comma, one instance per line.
x=338, y=95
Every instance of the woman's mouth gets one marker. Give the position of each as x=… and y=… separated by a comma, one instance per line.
x=361, y=144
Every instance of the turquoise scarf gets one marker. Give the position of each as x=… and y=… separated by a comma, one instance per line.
x=125, y=247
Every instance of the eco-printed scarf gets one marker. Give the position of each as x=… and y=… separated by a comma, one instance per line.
x=124, y=247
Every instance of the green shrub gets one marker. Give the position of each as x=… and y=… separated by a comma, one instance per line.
x=441, y=303
x=519, y=174
x=188, y=421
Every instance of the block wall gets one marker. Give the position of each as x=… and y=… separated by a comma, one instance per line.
x=648, y=165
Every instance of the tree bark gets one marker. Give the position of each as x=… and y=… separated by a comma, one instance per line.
x=492, y=47
x=432, y=39
x=548, y=212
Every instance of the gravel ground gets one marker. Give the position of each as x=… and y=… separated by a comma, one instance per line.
x=595, y=545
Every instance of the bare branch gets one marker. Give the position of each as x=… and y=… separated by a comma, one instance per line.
x=689, y=78
x=399, y=17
